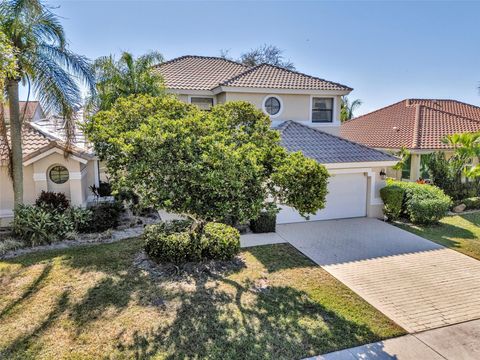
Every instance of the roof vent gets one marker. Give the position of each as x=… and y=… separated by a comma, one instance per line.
x=396, y=129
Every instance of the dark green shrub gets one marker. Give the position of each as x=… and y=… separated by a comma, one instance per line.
x=103, y=189
x=161, y=244
x=472, y=203
x=220, y=241
x=81, y=218
x=36, y=225
x=105, y=216
x=175, y=242
x=52, y=201
x=265, y=223
x=392, y=196
x=422, y=203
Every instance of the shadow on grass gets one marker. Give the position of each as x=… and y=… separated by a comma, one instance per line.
x=280, y=323
x=22, y=343
x=216, y=318
x=290, y=257
x=31, y=289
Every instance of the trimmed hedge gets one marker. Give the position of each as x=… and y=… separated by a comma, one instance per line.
x=219, y=242
x=392, y=197
x=265, y=223
x=421, y=203
x=174, y=242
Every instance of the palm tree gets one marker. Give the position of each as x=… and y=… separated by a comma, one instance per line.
x=44, y=63
x=124, y=77
x=347, y=109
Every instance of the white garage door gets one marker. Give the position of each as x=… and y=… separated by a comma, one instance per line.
x=347, y=197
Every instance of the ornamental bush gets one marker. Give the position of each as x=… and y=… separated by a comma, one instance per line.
x=175, y=242
x=105, y=216
x=266, y=222
x=471, y=203
x=392, y=197
x=219, y=242
x=52, y=201
x=422, y=203
x=37, y=225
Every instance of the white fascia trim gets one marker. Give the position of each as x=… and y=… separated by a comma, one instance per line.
x=52, y=151
x=370, y=164
x=190, y=92
x=220, y=89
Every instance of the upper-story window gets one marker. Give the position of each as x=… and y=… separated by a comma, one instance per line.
x=272, y=105
x=204, y=103
x=322, y=109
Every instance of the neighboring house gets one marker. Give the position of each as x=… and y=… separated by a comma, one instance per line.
x=416, y=124
x=306, y=110
x=45, y=165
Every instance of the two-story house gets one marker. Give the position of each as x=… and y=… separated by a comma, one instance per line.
x=306, y=111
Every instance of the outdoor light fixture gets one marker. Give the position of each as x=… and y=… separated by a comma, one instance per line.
x=383, y=174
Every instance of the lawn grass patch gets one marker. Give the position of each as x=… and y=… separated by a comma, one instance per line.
x=458, y=232
x=95, y=302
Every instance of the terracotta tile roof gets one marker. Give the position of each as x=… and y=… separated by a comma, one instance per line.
x=270, y=76
x=326, y=148
x=206, y=73
x=198, y=72
x=37, y=139
x=413, y=123
x=31, y=108
x=33, y=140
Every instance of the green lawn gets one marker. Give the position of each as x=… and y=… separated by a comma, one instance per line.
x=94, y=302
x=459, y=232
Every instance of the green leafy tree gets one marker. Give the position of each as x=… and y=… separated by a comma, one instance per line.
x=269, y=54
x=124, y=77
x=43, y=62
x=348, y=108
x=211, y=166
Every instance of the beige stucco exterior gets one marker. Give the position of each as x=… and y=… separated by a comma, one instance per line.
x=82, y=174
x=294, y=106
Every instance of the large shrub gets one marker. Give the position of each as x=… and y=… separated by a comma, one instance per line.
x=422, y=203
x=184, y=160
x=52, y=201
x=176, y=242
x=392, y=197
x=104, y=216
x=219, y=241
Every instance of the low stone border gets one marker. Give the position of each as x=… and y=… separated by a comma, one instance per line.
x=106, y=237
x=451, y=213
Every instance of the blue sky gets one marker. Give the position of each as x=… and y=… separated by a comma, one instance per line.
x=386, y=50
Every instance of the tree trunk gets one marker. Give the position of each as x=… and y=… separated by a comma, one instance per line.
x=16, y=141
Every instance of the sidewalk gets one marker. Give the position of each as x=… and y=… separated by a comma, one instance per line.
x=455, y=342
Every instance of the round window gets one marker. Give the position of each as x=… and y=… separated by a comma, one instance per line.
x=58, y=174
x=272, y=105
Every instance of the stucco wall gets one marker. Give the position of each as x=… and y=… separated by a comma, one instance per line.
x=296, y=107
x=36, y=179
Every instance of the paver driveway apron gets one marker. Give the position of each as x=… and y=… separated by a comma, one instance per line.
x=418, y=284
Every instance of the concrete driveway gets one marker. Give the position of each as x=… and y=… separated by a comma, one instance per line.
x=418, y=284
